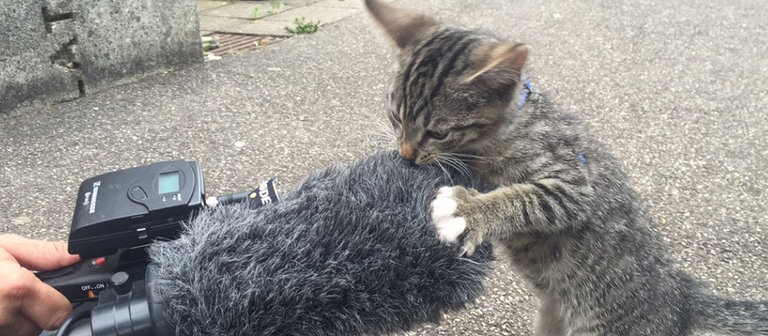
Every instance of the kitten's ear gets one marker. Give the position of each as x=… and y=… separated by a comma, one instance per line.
x=498, y=64
x=404, y=27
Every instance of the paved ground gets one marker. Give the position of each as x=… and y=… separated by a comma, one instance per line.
x=677, y=89
x=271, y=17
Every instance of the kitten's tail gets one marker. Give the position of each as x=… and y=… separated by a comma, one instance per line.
x=725, y=315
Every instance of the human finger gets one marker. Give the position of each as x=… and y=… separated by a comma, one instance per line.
x=17, y=325
x=21, y=292
x=36, y=254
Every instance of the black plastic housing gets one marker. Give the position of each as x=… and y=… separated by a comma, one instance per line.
x=129, y=207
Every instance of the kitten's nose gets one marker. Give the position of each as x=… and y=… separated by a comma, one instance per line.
x=407, y=152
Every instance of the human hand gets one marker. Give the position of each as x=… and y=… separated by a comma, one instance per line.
x=28, y=305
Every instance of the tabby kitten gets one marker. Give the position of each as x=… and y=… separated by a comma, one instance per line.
x=561, y=205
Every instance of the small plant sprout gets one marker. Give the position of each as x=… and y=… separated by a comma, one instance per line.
x=302, y=26
x=276, y=5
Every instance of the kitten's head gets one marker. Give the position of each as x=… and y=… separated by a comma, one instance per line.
x=454, y=87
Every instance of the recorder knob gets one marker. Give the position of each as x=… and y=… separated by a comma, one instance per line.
x=121, y=283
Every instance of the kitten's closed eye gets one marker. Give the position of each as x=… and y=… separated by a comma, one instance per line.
x=436, y=135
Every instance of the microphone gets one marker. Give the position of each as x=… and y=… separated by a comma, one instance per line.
x=351, y=250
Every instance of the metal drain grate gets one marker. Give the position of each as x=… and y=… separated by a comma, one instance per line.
x=230, y=44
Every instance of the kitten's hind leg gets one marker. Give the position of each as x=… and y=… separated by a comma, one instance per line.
x=549, y=321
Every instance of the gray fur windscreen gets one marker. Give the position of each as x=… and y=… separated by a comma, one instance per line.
x=349, y=251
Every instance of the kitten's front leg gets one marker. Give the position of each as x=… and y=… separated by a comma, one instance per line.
x=447, y=208
x=544, y=206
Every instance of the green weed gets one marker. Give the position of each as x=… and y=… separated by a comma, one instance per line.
x=302, y=26
x=275, y=7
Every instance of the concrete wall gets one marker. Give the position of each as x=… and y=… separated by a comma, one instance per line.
x=56, y=50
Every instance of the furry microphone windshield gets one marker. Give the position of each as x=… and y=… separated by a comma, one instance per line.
x=349, y=251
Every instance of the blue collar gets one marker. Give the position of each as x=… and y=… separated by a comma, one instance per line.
x=527, y=90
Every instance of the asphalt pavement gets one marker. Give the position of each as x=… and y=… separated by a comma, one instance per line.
x=677, y=89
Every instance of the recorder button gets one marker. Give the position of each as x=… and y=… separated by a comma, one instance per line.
x=138, y=194
x=98, y=262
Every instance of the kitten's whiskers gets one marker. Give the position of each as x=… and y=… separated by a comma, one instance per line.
x=384, y=135
x=453, y=162
x=473, y=157
x=445, y=171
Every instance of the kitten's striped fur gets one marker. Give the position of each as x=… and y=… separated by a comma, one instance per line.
x=561, y=205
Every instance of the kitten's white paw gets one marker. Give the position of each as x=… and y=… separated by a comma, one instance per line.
x=449, y=227
x=449, y=230
x=445, y=192
x=443, y=206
